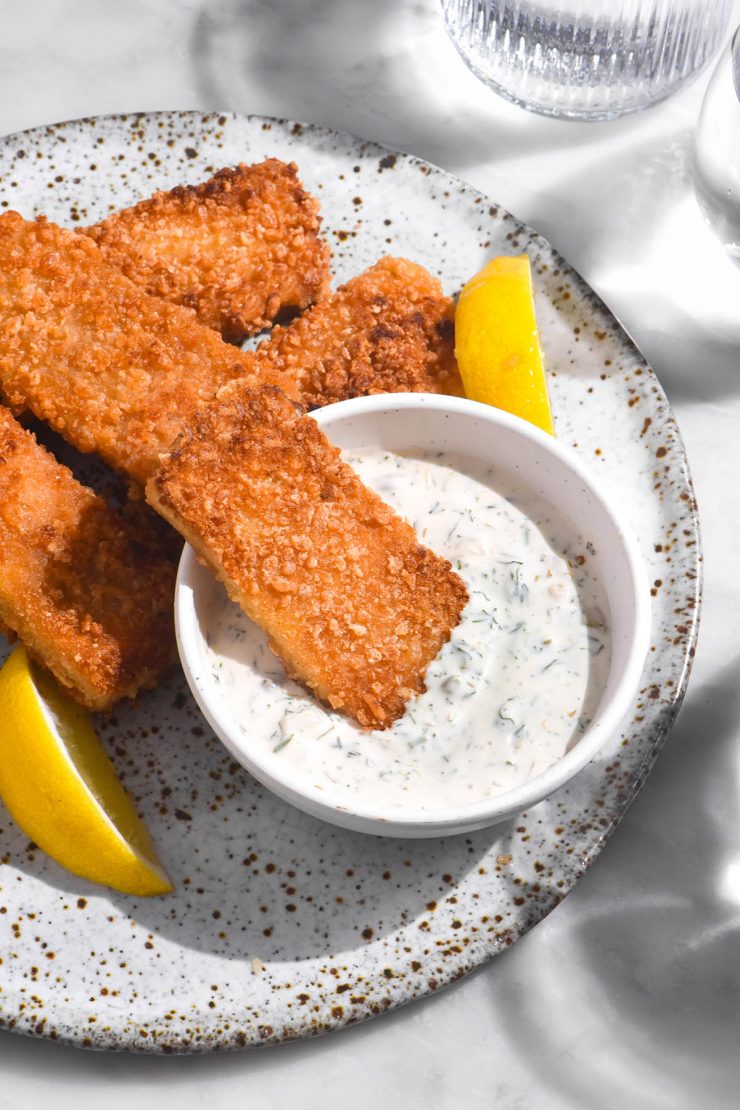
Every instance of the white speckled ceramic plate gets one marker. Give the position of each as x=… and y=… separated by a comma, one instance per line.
x=347, y=926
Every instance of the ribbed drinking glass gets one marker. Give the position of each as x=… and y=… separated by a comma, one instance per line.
x=586, y=59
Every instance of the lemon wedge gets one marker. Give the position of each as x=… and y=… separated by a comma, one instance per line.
x=61, y=788
x=496, y=343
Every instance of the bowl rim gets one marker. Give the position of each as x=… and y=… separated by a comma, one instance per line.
x=470, y=814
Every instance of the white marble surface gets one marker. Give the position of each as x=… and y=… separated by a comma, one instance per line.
x=629, y=994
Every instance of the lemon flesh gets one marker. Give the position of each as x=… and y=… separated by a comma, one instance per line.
x=60, y=787
x=496, y=342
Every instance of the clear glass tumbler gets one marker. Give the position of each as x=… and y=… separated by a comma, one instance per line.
x=586, y=59
x=717, y=151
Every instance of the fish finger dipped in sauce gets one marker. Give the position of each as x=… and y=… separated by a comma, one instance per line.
x=352, y=603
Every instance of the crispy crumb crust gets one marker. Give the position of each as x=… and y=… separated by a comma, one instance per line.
x=388, y=330
x=108, y=367
x=118, y=372
x=88, y=592
x=353, y=604
x=237, y=248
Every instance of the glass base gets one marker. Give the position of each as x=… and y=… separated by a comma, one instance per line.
x=582, y=115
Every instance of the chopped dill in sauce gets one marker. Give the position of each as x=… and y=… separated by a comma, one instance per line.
x=514, y=687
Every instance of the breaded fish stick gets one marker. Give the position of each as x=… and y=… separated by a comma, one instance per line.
x=353, y=604
x=237, y=249
x=118, y=372
x=388, y=330
x=111, y=369
x=88, y=592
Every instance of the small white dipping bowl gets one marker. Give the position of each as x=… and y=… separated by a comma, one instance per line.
x=404, y=422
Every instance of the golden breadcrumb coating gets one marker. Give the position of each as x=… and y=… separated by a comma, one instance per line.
x=108, y=367
x=88, y=592
x=238, y=248
x=118, y=372
x=353, y=604
x=388, y=330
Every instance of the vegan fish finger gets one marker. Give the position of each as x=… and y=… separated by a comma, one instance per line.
x=89, y=592
x=388, y=330
x=238, y=248
x=110, y=368
x=353, y=604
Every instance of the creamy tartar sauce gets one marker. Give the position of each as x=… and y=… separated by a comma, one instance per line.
x=510, y=692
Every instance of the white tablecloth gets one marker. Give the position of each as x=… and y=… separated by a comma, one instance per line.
x=628, y=995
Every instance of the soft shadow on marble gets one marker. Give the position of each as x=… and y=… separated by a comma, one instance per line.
x=657, y=952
